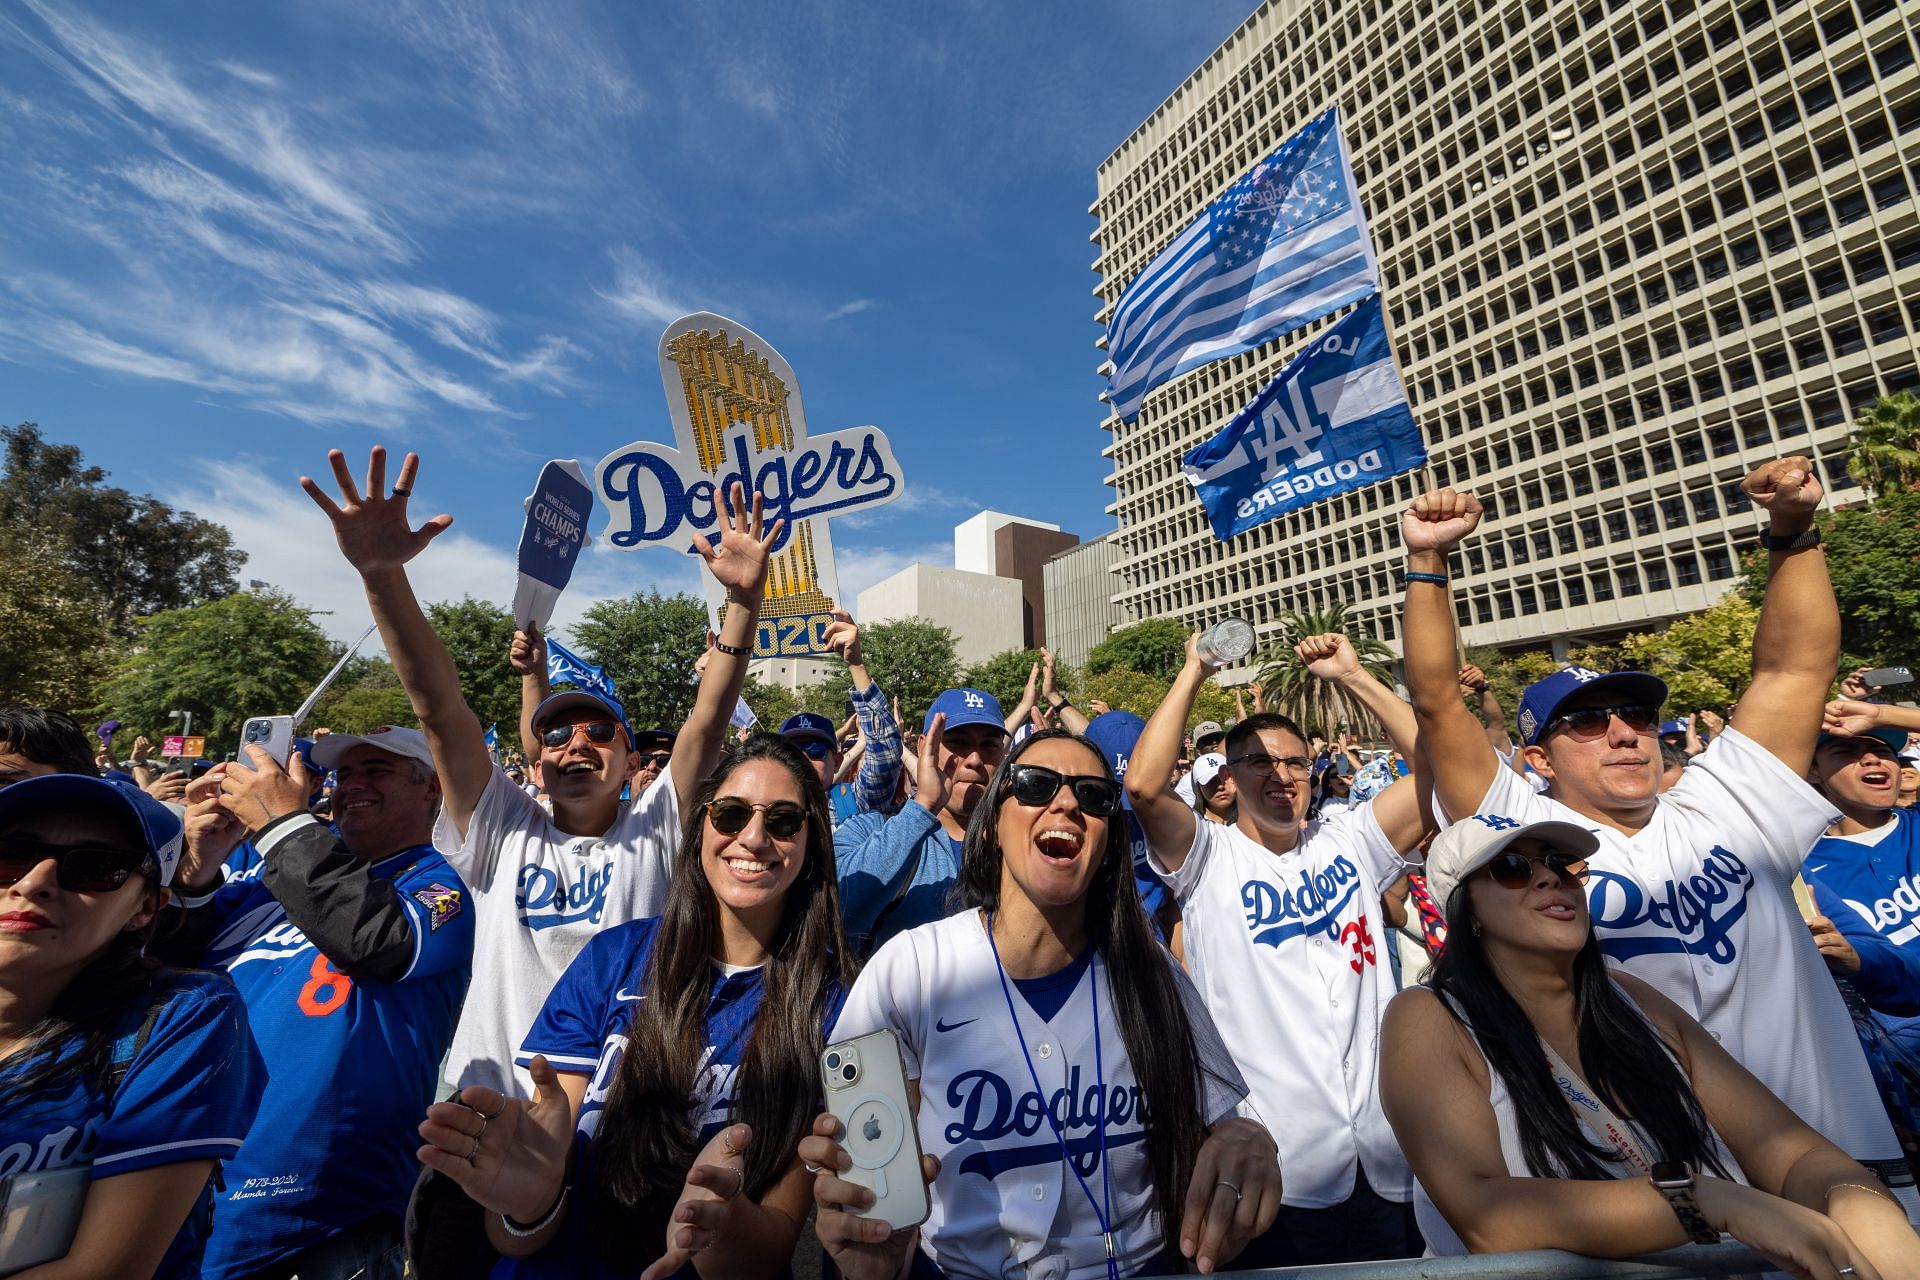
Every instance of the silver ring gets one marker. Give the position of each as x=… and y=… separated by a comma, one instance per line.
x=813, y=1168
x=741, y=1185
x=1846, y=1271
x=1237, y=1195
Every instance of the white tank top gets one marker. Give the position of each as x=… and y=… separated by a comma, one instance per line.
x=1442, y=1240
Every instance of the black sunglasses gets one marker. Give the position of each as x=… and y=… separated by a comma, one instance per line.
x=599, y=732
x=1036, y=785
x=813, y=748
x=658, y=759
x=1592, y=722
x=730, y=817
x=1515, y=870
x=77, y=868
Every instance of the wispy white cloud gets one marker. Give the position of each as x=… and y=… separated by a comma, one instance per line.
x=638, y=292
x=853, y=308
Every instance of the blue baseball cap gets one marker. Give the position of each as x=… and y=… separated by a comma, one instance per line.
x=965, y=706
x=1894, y=740
x=1115, y=733
x=159, y=824
x=1541, y=702
x=572, y=698
x=809, y=724
x=1672, y=726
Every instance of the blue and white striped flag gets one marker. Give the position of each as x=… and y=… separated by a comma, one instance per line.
x=1285, y=245
x=1335, y=419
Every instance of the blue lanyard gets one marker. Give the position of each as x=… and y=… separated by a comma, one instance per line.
x=1103, y=1217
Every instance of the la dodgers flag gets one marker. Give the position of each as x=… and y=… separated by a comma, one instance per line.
x=1285, y=245
x=1335, y=419
x=564, y=665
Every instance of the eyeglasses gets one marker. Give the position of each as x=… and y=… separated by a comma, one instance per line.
x=1515, y=870
x=1035, y=785
x=814, y=748
x=77, y=868
x=658, y=759
x=599, y=732
x=730, y=817
x=1592, y=722
x=1260, y=762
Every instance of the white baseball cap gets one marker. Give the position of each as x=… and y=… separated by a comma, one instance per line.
x=1472, y=843
x=1207, y=768
x=329, y=749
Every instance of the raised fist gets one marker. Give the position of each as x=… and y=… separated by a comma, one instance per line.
x=1787, y=488
x=1439, y=519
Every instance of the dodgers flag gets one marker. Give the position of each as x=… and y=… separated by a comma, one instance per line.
x=1335, y=419
x=566, y=666
x=1285, y=245
x=555, y=531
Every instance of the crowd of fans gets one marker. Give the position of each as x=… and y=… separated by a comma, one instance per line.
x=1592, y=980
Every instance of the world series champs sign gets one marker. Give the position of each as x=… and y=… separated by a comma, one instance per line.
x=738, y=418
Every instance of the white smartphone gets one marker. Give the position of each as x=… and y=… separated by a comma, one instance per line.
x=274, y=734
x=867, y=1091
x=39, y=1214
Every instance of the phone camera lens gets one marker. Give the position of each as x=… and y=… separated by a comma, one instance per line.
x=849, y=1071
x=833, y=1062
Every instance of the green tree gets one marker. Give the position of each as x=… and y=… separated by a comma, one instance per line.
x=1873, y=557
x=1155, y=647
x=55, y=654
x=911, y=658
x=1004, y=675
x=1886, y=445
x=140, y=555
x=1706, y=658
x=478, y=635
x=1314, y=704
x=1142, y=694
x=648, y=643
x=249, y=654
x=772, y=704
x=367, y=695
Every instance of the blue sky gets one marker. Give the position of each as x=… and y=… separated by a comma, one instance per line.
x=236, y=235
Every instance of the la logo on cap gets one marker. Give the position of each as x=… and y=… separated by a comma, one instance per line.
x=974, y=699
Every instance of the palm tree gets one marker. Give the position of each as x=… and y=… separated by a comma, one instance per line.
x=1294, y=691
x=1886, y=445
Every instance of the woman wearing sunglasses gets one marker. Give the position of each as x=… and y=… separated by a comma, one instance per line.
x=677, y=1059
x=1547, y=1102
x=1043, y=1026
x=122, y=1084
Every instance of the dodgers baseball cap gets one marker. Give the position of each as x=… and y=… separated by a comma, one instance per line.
x=556, y=703
x=1541, y=702
x=1672, y=726
x=161, y=832
x=1115, y=733
x=1205, y=730
x=1472, y=843
x=964, y=706
x=1207, y=768
x=809, y=724
x=1894, y=740
x=330, y=749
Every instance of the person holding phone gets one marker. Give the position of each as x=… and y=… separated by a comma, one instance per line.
x=1547, y=1101
x=134, y=1079
x=677, y=1061
x=1074, y=1100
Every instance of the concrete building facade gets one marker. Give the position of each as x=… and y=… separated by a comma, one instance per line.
x=983, y=611
x=1080, y=589
x=1629, y=249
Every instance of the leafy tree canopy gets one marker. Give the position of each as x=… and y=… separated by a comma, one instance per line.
x=367, y=695
x=1142, y=694
x=648, y=643
x=1873, y=556
x=1886, y=445
x=1004, y=675
x=1314, y=704
x=56, y=652
x=1155, y=647
x=478, y=635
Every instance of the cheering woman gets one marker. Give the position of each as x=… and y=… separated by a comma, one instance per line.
x=122, y=1084
x=1545, y=1102
x=1072, y=1094
x=677, y=1060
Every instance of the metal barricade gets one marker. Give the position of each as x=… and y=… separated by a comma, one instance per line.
x=1692, y=1262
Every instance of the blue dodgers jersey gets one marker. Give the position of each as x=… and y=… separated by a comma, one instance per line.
x=1875, y=889
x=190, y=1092
x=582, y=1030
x=353, y=1064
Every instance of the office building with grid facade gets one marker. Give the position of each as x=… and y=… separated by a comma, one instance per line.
x=1629, y=250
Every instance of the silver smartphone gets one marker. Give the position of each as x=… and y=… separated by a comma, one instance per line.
x=273, y=734
x=39, y=1215
x=1881, y=677
x=866, y=1084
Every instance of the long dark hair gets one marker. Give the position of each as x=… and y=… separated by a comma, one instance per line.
x=1625, y=1058
x=1153, y=1021
x=646, y=1141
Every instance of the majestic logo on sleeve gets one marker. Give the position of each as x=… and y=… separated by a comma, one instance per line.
x=986, y=1111
x=1313, y=905
x=545, y=901
x=1695, y=915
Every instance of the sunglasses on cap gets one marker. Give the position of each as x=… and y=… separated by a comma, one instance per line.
x=813, y=748
x=77, y=868
x=1035, y=785
x=1511, y=870
x=730, y=817
x=599, y=732
x=1592, y=722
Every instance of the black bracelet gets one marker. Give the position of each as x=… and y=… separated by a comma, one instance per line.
x=1808, y=537
x=1437, y=579
x=731, y=650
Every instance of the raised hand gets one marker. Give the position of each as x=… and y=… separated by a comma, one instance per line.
x=1194, y=657
x=1849, y=717
x=861, y=1248
x=1439, y=519
x=1258, y=692
x=527, y=655
x=1049, y=674
x=1713, y=721
x=260, y=791
x=141, y=749
x=1473, y=679
x=168, y=788
x=739, y=561
x=508, y=1155
x=1854, y=686
x=1786, y=488
x=707, y=1200
x=843, y=638
x=1329, y=657
x=930, y=781
x=211, y=834
x=373, y=530
x=1097, y=707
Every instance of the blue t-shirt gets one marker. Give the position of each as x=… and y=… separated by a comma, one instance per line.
x=354, y=1063
x=189, y=1093
x=1871, y=892
x=582, y=1030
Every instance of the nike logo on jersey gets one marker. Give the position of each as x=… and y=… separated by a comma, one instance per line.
x=1313, y=905
x=942, y=1025
x=1695, y=916
x=624, y=994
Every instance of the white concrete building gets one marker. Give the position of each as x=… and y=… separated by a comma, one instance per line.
x=973, y=548
x=981, y=610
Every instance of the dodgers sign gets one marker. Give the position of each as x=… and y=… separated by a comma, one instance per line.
x=550, y=544
x=738, y=418
x=1335, y=419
